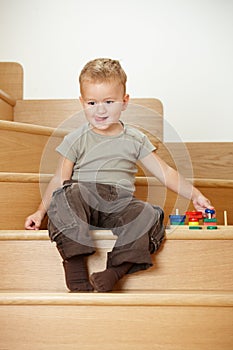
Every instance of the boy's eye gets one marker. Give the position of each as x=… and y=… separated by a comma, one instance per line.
x=93, y=103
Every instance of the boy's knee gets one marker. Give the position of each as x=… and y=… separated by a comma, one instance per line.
x=69, y=248
x=153, y=212
x=159, y=212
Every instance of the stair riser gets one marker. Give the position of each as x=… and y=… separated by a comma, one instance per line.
x=19, y=146
x=25, y=197
x=116, y=328
x=179, y=265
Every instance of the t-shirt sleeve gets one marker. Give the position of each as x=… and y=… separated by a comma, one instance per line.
x=67, y=150
x=146, y=147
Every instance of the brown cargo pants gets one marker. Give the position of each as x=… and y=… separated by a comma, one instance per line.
x=78, y=207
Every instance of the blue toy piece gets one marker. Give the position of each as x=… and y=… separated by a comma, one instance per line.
x=210, y=212
x=177, y=219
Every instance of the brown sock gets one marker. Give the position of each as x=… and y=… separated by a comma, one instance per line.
x=76, y=274
x=104, y=281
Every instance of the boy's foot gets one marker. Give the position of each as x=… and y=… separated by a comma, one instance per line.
x=82, y=287
x=105, y=281
x=76, y=274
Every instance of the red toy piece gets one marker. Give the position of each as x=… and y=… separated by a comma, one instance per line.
x=194, y=214
x=194, y=217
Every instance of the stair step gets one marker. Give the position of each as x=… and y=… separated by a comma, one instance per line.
x=22, y=191
x=186, y=261
x=164, y=320
x=28, y=142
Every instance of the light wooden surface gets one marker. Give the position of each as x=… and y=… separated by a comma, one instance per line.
x=206, y=159
x=198, y=182
x=6, y=111
x=140, y=180
x=11, y=79
x=7, y=98
x=24, y=154
x=135, y=298
x=24, y=193
x=172, y=232
x=166, y=318
x=28, y=146
x=32, y=129
x=17, y=201
x=116, y=327
x=186, y=261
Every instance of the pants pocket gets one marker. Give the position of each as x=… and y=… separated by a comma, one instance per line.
x=60, y=213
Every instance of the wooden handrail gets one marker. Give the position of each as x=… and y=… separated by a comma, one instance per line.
x=213, y=183
x=7, y=98
x=32, y=129
x=140, y=180
x=25, y=177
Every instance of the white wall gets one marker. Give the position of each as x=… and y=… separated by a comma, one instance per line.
x=180, y=51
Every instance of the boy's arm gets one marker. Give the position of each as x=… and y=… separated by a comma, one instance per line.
x=63, y=172
x=174, y=181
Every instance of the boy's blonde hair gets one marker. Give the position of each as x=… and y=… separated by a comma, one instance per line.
x=101, y=70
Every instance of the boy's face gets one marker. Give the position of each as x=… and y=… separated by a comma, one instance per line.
x=103, y=103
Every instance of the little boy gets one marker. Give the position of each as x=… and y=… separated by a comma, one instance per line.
x=94, y=186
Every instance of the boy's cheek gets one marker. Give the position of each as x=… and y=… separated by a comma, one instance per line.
x=89, y=111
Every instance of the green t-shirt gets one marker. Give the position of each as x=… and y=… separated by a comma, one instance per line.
x=106, y=159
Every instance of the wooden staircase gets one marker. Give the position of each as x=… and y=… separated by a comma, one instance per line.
x=185, y=301
x=159, y=320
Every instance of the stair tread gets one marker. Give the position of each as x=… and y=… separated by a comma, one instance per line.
x=130, y=298
x=172, y=233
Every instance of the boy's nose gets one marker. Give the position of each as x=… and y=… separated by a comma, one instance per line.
x=101, y=108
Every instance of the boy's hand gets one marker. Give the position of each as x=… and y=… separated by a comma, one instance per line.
x=201, y=203
x=33, y=221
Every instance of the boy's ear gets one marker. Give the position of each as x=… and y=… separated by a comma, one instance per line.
x=125, y=102
x=81, y=100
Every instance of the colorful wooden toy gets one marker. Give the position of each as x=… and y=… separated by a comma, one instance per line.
x=194, y=217
x=210, y=222
x=177, y=219
x=225, y=217
x=210, y=213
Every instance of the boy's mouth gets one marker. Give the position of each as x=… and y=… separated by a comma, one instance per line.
x=100, y=119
